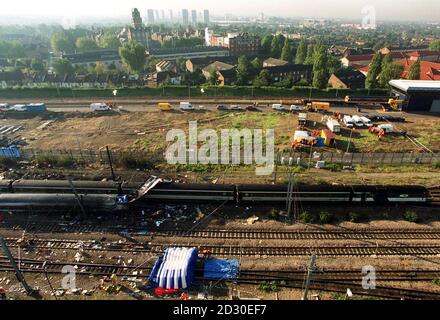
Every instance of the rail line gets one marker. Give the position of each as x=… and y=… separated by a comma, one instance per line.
x=257, y=234
x=233, y=250
x=330, y=281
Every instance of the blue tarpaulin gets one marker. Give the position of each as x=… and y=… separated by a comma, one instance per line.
x=217, y=269
x=10, y=153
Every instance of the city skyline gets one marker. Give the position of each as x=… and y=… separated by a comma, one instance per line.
x=410, y=10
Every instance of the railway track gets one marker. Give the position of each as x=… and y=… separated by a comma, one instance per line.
x=366, y=234
x=231, y=250
x=330, y=281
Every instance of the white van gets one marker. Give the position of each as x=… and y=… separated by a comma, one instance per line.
x=278, y=107
x=348, y=121
x=294, y=108
x=388, y=128
x=358, y=122
x=99, y=107
x=333, y=125
x=186, y=106
x=367, y=122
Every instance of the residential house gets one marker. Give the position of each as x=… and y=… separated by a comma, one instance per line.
x=347, y=79
x=297, y=71
x=11, y=78
x=157, y=78
x=227, y=77
x=166, y=65
x=217, y=66
x=272, y=62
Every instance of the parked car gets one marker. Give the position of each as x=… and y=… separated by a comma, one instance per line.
x=4, y=106
x=294, y=108
x=186, y=106
x=100, y=107
x=222, y=108
x=278, y=107
x=252, y=108
x=236, y=108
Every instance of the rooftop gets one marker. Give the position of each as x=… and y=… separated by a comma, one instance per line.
x=416, y=85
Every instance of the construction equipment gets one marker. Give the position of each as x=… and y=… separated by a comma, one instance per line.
x=393, y=105
x=165, y=106
x=318, y=106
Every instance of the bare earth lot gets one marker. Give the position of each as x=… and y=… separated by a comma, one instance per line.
x=147, y=130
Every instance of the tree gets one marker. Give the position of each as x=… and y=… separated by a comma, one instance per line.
x=301, y=52
x=277, y=45
x=257, y=64
x=213, y=77
x=109, y=41
x=386, y=67
x=414, y=71
x=133, y=56
x=371, y=82
x=195, y=78
x=266, y=44
x=181, y=64
x=434, y=45
x=61, y=43
x=392, y=71
x=333, y=64
x=320, y=69
x=263, y=79
x=310, y=56
x=243, y=70
x=99, y=68
x=63, y=67
x=286, y=53
x=38, y=65
x=86, y=44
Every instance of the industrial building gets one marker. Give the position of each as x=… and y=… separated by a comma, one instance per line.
x=419, y=95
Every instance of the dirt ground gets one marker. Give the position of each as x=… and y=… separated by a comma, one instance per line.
x=147, y=130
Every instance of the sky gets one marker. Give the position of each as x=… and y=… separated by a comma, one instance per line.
x=416, y=10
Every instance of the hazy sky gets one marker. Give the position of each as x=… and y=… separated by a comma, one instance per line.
x=386, y=9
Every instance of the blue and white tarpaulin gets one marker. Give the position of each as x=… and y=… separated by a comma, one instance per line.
x=216, y=269
x=175, y=270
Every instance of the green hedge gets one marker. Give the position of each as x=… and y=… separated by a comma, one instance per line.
x=183, y=91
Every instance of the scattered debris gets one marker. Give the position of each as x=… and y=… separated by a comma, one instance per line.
x=252, y=220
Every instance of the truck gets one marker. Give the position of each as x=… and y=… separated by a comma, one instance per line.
x=100, y=107
x=165, y=106
x=302, y=119
x=348, y=121
x=32, y=108
x=318, y=106
x=358, y=122
x=333, y=125
x=186, y=106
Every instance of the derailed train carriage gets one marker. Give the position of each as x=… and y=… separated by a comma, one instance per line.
x=106, y=196
x=278, y=194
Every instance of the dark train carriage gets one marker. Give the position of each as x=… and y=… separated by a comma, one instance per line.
x=191, y=192
x=63, y=186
